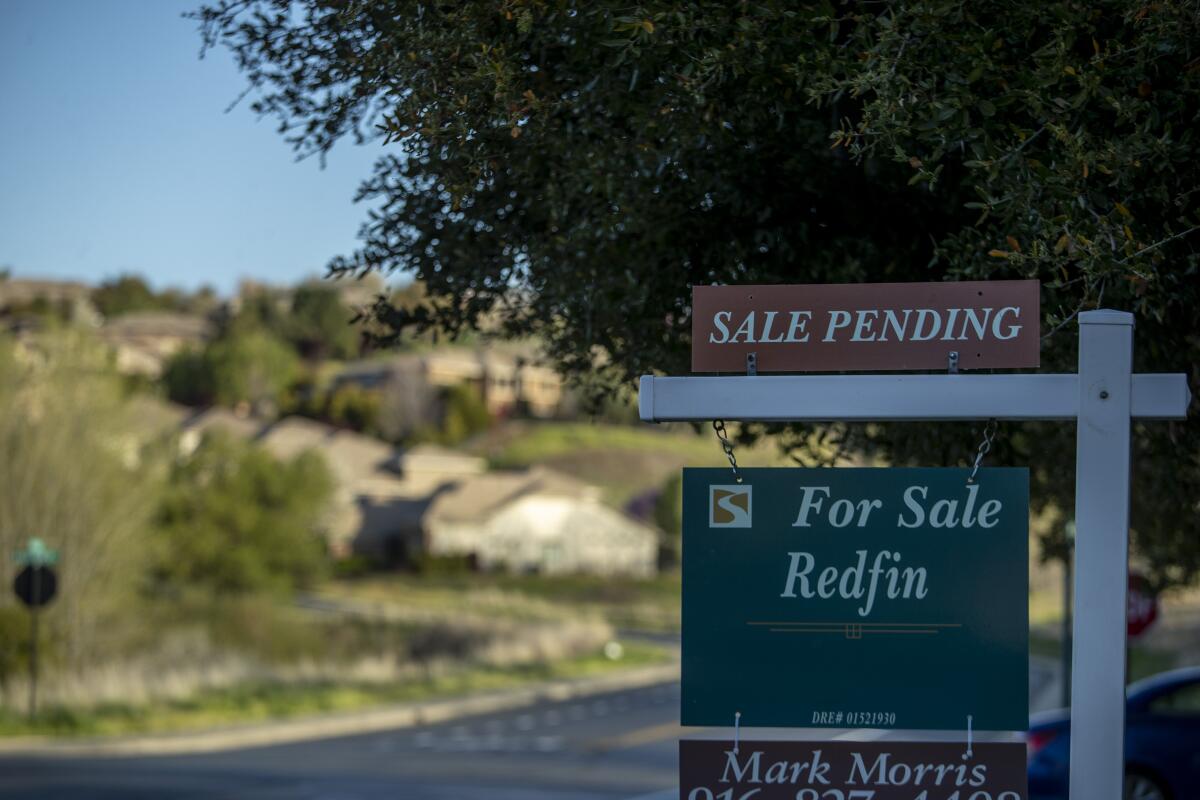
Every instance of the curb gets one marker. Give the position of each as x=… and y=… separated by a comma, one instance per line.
x=341, y=724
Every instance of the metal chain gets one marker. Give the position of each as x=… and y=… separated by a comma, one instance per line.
x=989, y=436
x=727, y=446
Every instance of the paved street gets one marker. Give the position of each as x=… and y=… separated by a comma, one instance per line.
x=609, y=747
x=620, y=745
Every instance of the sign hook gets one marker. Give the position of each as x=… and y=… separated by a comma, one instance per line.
x=989, y=436
x=969, y=752
x=727, y=446
x=737, y=724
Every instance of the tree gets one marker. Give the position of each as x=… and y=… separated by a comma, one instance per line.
x=354, y=407
x=80, y=467
x=464, y=414
x=320, y=324
x=127, y=293
x=188, y=378
x=124, y=294
x=568, y=170
x=253, y=368
x=250, y=367
x=236, y=521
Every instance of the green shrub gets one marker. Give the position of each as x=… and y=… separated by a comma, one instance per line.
x=234, y=520
x=354, y=407
x=465, y=414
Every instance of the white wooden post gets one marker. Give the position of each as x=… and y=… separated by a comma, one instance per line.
x=1101, y=555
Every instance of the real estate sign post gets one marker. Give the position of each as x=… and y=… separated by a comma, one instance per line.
x=1102, y=399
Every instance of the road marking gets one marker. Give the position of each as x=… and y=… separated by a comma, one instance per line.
x=637, y=738
x=666, y=794
x=548, y=744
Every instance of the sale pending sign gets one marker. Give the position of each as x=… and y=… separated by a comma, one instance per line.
x=851, y=598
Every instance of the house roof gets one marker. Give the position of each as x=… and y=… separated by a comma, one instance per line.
x=352, y=457
x=140, y=324
x=23, y=290
x=224, y=420
x=476, y=498
x=429, y=458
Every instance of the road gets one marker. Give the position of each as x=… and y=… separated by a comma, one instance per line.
x=619, y=745
x=610, y=747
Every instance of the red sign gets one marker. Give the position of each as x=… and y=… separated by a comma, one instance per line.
x=1142, y=608
x=866, y=326
x=877, y=770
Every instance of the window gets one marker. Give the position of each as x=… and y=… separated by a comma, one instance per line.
x=1183, y=700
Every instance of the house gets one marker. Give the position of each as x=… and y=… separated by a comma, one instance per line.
x=197, y=424
x=380, y=492
x=143, y=341
x=536, y=520
x=506, y=382
x=21, y=296
x=395, y=506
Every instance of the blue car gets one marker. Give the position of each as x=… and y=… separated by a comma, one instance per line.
x=1162, y=742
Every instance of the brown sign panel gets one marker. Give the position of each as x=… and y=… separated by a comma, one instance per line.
x=866, y=326
x=879, y=770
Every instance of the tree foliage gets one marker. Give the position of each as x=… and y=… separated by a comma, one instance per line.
x=127, y=293
x=320, y=324
x=80, y=468
x=236, y=521
x=464, y=414
x=570, y=170
x=251, y=367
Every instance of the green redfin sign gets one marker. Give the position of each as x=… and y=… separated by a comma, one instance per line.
x=851, y=598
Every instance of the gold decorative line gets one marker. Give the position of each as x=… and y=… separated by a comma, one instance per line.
x=864, y=624
x=842, y=630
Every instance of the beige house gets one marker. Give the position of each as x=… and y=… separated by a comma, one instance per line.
x=379, y=491
x=394, y=505
x=504, y=381
x=537, y=521
x=143, y=341
x=73, y=297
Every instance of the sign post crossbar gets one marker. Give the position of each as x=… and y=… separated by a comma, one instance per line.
x=1102, y=398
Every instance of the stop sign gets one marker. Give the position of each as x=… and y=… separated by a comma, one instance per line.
x=1143, y=606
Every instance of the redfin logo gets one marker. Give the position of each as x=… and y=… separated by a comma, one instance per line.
x=729, y=506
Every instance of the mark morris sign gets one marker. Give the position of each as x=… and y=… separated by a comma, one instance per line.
x=879, y=770
x=867, y=326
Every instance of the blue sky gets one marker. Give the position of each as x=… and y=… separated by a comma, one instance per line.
x=116, y=155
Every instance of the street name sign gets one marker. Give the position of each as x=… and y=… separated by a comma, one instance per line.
x=878, y=770
x=846, y=598
x=867, y=326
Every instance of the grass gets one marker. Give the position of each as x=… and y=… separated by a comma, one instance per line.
x=258, y=702
x=537, y=442
x=650, y=605
x=647, y=604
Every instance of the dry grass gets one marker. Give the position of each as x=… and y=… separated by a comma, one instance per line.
x=375, y=651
